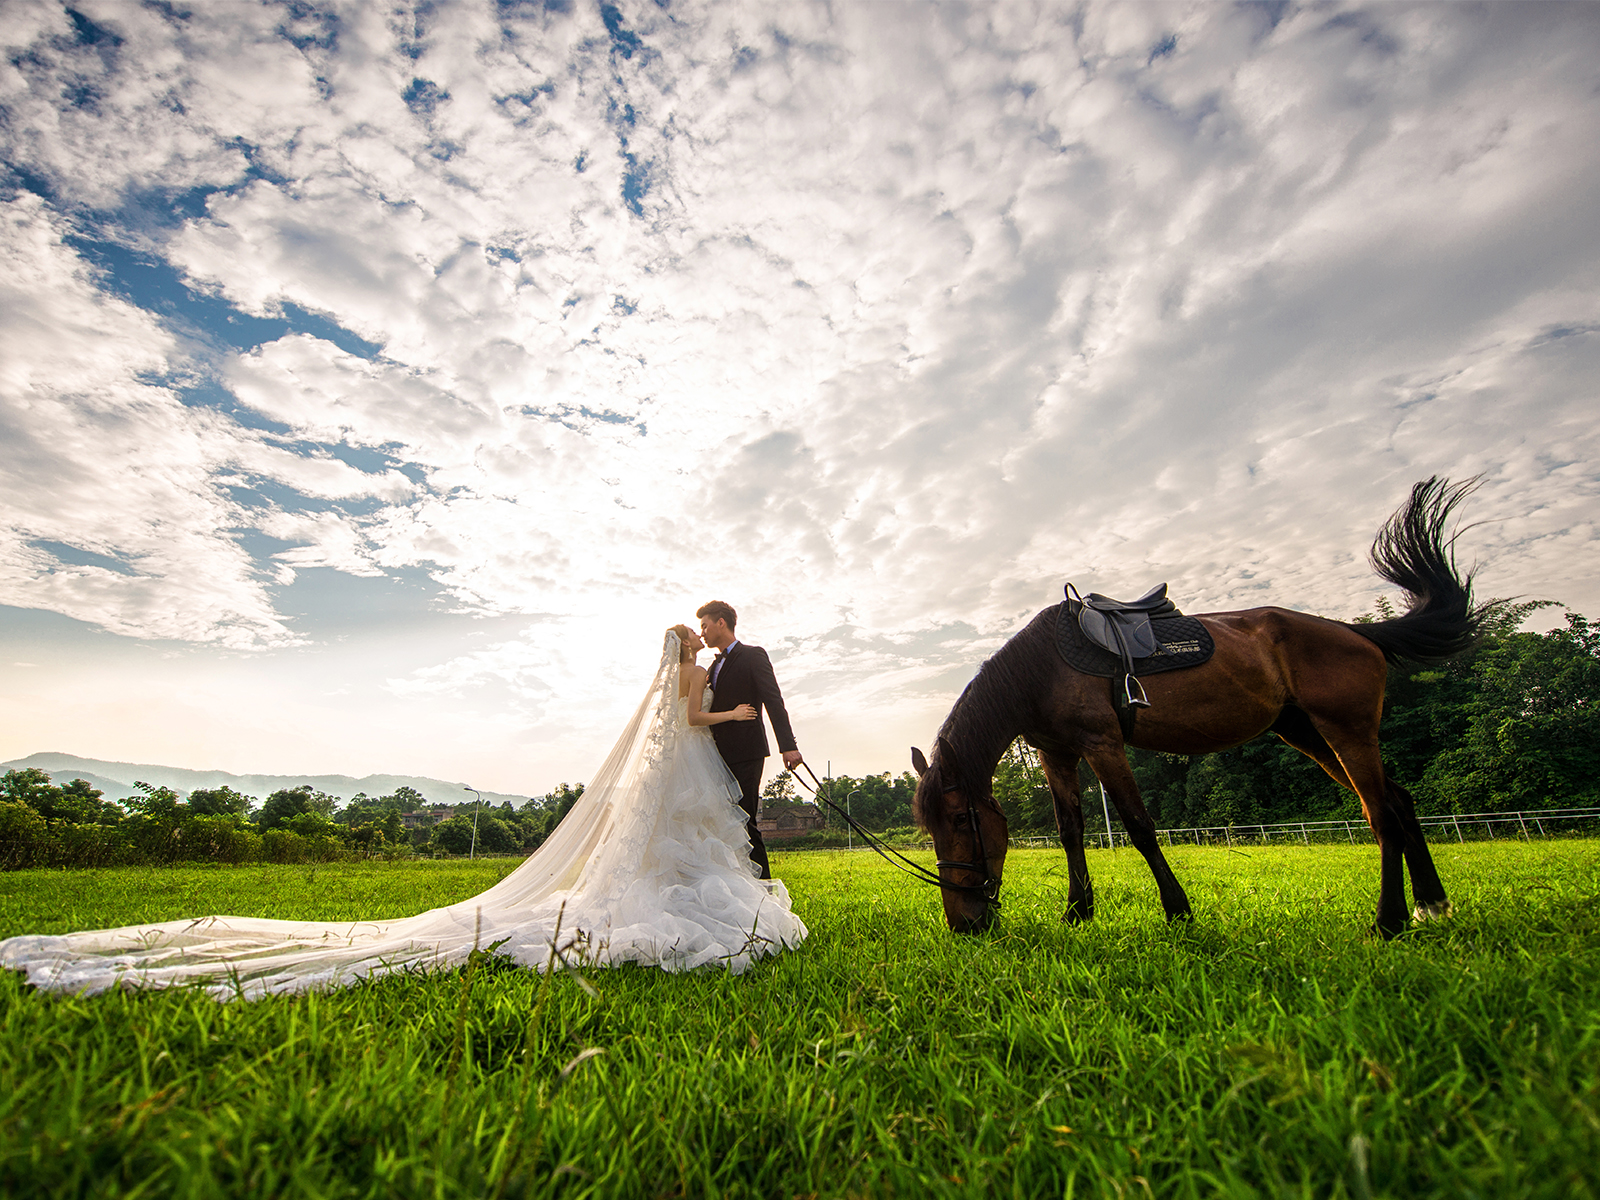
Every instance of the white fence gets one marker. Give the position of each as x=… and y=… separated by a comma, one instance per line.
x=1452, y=827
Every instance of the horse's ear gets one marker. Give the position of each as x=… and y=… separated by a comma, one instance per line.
x=920, y=763
x=947, y=757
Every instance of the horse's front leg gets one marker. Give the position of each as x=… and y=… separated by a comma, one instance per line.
x=1110, y=765
x=1061, y=772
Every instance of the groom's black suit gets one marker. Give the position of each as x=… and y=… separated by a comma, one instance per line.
x=746, y=677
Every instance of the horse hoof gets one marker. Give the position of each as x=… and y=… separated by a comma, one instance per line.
x=1181, y=915
x=1074, y=916
x=1433, y=912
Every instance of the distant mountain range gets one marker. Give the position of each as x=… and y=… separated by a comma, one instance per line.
x=116, y=780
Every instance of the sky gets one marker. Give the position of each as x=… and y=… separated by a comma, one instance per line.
x=377, y=382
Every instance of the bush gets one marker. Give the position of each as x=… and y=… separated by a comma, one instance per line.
x=87, y=846
x=22, y=835
x=220, y=839
x=281, y=846
x=494, y=837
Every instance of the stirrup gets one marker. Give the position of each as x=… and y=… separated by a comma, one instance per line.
x=1130, y=685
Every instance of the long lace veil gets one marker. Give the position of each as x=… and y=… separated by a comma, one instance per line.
x=585, y=863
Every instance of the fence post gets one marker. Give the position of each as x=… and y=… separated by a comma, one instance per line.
x=1457, y=824
x=1524, y=825
x=1540, y=825
x=1304, y=836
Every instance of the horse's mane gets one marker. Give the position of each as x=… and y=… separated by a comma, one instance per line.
x=1000, y=703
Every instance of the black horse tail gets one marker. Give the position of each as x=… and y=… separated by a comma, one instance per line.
x=1412, y=552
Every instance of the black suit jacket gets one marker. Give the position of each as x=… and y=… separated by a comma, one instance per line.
x=746, y=678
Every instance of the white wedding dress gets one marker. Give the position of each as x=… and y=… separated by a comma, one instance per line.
x=651, y=865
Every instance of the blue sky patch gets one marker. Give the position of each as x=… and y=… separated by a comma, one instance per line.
x=73, y=556
x=156, y=286
x=422, y=96
x=623, y=41
x=324, y=601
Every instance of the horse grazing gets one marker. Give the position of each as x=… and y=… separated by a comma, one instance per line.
x=1317, y=684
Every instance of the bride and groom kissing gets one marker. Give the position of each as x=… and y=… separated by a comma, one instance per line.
x=741, y=683
x=660, y=863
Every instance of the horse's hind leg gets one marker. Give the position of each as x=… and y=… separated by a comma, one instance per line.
x=1399, y=817
x=1062, y=776
x=1427, y=889
x=1357, y=759
x=1110, y=764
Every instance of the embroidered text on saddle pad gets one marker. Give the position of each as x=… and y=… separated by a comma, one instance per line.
x=1181, y=642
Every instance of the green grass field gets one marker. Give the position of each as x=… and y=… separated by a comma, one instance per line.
x=1270, y=1048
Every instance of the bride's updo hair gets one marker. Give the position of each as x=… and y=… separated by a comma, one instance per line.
x=685, y=653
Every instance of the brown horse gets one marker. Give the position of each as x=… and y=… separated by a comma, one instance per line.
x=1317, y=684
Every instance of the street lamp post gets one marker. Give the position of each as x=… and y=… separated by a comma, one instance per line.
x=850, y=830
x=475, y=811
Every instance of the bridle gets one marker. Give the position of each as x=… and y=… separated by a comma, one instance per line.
x=989, y=888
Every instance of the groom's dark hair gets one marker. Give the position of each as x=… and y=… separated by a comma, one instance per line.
x=719, y=610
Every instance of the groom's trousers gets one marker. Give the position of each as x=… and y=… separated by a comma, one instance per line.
x=748, y=777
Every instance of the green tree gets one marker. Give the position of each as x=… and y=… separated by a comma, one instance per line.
x=408, y=799
x=547, y=810
x=363, y=810
x=32, y=787
x=1022, y=792
x=454, y=836
x=1532, y=727
x=876, y=802
x=78, y=802
x=221, y=802
x=157, y=802
x=310, y=824
x=284, y=804
x=495, y=837
x=780, y=791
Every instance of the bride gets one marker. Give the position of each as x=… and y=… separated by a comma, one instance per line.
x=651, y=865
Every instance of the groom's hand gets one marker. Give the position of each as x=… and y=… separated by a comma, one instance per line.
x=791, y=759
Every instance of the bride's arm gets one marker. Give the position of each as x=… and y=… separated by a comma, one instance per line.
x=697, y=691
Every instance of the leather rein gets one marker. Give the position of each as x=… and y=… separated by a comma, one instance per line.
x=989, y=889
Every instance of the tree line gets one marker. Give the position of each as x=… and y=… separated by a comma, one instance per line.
x=45, y=824
x=1512, y=725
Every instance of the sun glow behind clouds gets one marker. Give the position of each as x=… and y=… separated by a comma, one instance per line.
x=461, y=350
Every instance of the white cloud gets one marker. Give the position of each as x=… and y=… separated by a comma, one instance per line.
x=878, y=317
x=98, y=460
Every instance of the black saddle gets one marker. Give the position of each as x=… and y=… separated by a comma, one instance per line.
x=1127, y=638
x=1154, y=602
x=1123, y=627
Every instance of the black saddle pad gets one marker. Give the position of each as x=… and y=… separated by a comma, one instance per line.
x=1181, y=642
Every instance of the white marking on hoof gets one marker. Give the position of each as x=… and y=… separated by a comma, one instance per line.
x=1433, y=912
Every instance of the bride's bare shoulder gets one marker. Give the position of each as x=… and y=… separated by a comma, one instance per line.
x=690, y=676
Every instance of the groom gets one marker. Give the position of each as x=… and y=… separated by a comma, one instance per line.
x=742, y=674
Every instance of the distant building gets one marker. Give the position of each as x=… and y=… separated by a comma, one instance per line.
x=782, y=822
x=426, y=816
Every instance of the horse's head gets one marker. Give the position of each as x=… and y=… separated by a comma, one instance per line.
x=969, y=836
